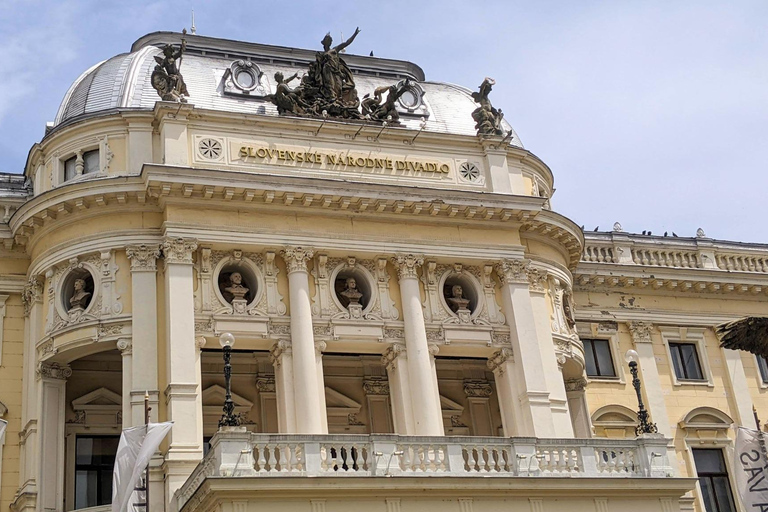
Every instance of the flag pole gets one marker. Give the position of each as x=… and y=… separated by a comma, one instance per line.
x=147, y=408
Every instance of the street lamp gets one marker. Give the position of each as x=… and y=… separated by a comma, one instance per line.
x=228, y=419
x=645, y=426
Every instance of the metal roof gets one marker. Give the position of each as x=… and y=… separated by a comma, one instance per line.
x=123, y=82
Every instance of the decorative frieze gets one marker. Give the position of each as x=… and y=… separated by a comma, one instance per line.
x=143, y=257
x=105, y=331
x=498, y=358
x=641, y=332
x=296, y=258
x=477, y=389
x=397, y=334
x=54, y=371
x=179, y=250
x=407, y=265
x=513, y=271
x=376, y=386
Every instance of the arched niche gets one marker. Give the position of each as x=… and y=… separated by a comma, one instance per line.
x=707, y=424
x=614, y=421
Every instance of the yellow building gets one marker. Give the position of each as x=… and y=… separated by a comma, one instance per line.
x=415, y=325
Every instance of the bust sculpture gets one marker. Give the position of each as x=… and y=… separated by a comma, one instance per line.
x=456, y=301
x=351, y=293
x=236, y=288
x=80, y=298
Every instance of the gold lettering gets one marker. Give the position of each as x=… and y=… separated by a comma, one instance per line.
x=431, y=167
x=271, y=153
x=444, y=168
x=378, y=162
x=290, y=155
x=369, y=163
x=389, y=164
x=400, y=165
x=331, y=159
x=360, y=162
x=281, y=154
x=243, y=152
x=261, y=153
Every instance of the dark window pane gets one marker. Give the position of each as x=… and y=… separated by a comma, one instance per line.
x=674, y=350
x=709, y=461
x=762, y=364
x=94, y=461
x=708, y=494
x=691, y=361
x=90, y=161
x=69, y=168
x=713, y=480
x=590, y=357
x=723, y=494
x=604, y=360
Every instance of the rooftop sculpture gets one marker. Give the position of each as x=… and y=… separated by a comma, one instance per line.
x=487, y=118
x=166, y=78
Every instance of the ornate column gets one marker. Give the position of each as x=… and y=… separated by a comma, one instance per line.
x=553, y=376
x=651, y=382
x=395, y=362
x=282, y=359
x=144, y=332
x=50, y=449
x=184, y=405
x=535, y=411
x=307, y=396
x=577, y=404
x=425, y=398
x=125, y=346
x=501, y=363
x=32, y=297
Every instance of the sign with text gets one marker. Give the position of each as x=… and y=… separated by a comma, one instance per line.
x=750, y=468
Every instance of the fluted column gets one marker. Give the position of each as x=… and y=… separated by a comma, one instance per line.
x=182, y=394
x=399, y=389
x=425, y=401
x=32, y=297
x=308, y=400
x=143, y=371
x=282, y=359
x=51, y=405
x=501, y=363
x=533, y=394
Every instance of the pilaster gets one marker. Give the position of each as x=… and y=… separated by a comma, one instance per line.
x=125, y=346
x=739, y=396
x=536, y=417
x=501, y=363
x=282, y=359
x=651, y=382
x=50, y=448
x=394, y=360
x=172, y=125
x=425, y=398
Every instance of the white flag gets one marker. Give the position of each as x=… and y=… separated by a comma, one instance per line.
x=3, y=426
x=752, y=470
x=136, y=447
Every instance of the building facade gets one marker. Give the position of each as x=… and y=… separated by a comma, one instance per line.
x=406, y=303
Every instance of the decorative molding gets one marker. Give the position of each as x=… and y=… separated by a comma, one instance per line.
x=513, y=271
x=390, y=356
x=498, y=358
x=200, y=342
x=391, y=333
x=477, y=389
x=54, y=371
x=577, y=384
x=143, y=257
x=537, y=279
x=376, y=386
x=296, y=258
x=179, y=249
x=32, y=294
x=407, y=265
x=282, y=347
x=125, y=346
x=266, y=385
x=320, y=347
x=433, y=349
x=640, y=331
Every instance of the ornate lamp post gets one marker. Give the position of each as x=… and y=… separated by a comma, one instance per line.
x=228, y=419
x=645, y=426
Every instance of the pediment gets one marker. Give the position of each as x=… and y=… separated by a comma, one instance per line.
x=449, y=406
x=339, y=404
x=101, y=398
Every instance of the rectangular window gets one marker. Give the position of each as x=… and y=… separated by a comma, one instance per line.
x=686, y=361
x=69, y=168
x=713, y=480
x=90, y=164
x=94, y=462
x=762, y=364
x=599, y=360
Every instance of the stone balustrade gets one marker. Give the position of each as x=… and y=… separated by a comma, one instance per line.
x=236, y=453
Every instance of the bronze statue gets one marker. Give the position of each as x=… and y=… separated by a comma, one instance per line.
x=387, y=111
x=487, y=118
x=288, y=100
x=166, y=78
x=81, y=297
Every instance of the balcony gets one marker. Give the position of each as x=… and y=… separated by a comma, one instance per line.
x=237, y=454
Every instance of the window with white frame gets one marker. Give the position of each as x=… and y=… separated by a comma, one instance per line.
x=713, y=480
x=685, y=360
x=88, y=160
x=599, y=360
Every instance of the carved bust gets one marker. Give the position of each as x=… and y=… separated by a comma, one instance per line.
x=456, y=301
x=81, y=297
x=236, y=288
x=351, y=293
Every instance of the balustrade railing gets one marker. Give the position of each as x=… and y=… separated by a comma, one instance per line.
x=237, y=453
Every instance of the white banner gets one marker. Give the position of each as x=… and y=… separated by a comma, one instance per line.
x=751, y=470
x=136, y=447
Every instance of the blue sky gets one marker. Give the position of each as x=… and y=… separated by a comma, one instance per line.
x=654, y=114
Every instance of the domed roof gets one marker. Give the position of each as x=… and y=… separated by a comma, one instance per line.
x=124, y=82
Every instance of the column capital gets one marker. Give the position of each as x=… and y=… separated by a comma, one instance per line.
x=32, y=294
x=320, y=347
x=477, y=389
x=277, y=351
x=179, y=249
x=537, y=279
x=577, y=384
x=513, y=271
x=54, y=371
x=407, y=265
x=296, y=258
x=433, y=349
x=389, y=357
x=640, y=331
x=200, y=342
x=498, y=358
x=143, y=257
x=125, y=346
x=376, y=386
x=266, y=385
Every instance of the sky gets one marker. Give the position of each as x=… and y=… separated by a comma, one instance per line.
x=652, y=114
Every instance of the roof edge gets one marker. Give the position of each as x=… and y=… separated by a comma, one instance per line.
x=258, y=51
